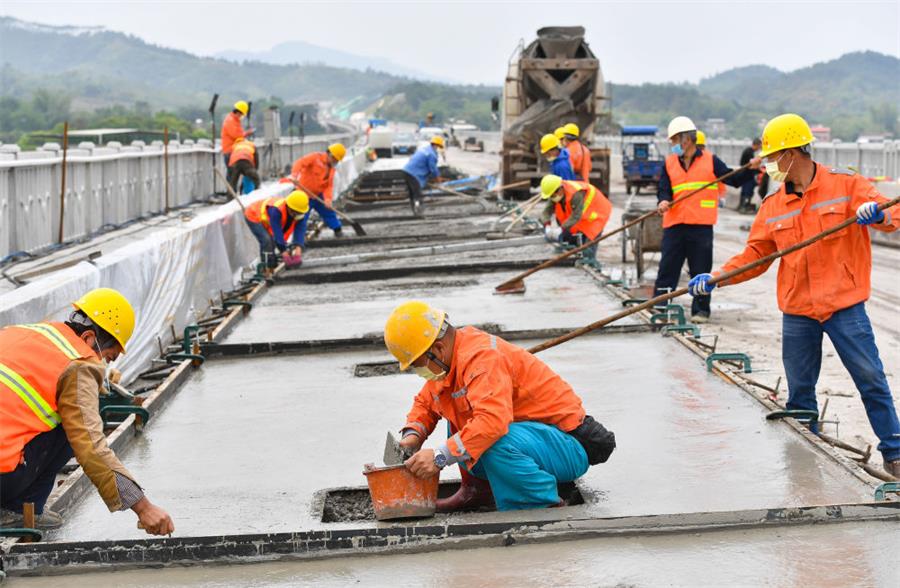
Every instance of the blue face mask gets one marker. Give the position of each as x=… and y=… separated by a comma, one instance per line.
x=677, y=150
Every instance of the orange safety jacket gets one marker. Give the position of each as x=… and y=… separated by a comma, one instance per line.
x=231, y=130
x=32, y=359
x=492, y=383
x=596, y=212
x=315, y=173
x=831, y=274
x=580, y=156
x=243, y=150
x=259, y=213
x=700, y=209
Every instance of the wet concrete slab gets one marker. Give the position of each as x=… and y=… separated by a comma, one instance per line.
x=246, y=445
x=837, y=555
x=557, y=297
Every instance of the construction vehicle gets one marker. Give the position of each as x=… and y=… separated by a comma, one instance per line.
x=554, y=80
x=642, y=163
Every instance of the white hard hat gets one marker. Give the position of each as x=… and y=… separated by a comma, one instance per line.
x=681, y=124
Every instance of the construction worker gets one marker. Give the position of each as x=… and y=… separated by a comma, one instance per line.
x=746, y=204
x=701, y=144
x=580, y=209
x=51, y=376
x=232, y=129
x=688, y=226
x=422, y=167
x=579, y=154
x=822, y=288
x=517, y=427
x=557, y=157
x=244, y=162
x=314, y=174
x=273, y=220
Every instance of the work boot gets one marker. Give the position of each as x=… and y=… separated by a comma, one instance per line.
x=339, y=232
x=46, y=520
x=700, y=318
x=892, y=468
x=473, y=493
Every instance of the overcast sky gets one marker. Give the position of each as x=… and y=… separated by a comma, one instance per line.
x=636, y=41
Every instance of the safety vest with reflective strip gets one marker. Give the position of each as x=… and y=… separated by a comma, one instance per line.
x=32, y=358
x=595, y=212
x=242, y=150
x=259, y=213
x=701, y=208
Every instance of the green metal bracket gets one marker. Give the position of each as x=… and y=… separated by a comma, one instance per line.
x=242, y=303
x=34, y=534
x=175, y=357
x=633, y=301
x=111, y=409
x=671, y=309
x=804, y=416
x=886, y=487
x=692, y=329
x=742, y=357
x=186, y=340
x=612, y=282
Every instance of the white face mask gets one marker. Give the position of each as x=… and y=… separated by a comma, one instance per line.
x=775, y=173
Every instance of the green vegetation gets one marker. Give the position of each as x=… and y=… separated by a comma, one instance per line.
x=413, y=100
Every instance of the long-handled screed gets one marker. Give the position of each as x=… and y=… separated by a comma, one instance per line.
x=516, y=284
x=357, y=228
x=715, y=280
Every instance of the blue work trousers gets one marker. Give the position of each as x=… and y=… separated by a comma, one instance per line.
x=328, y=215
x=524, y=466
x=32, y=481
x=266, y=243
x=693, y=243
x=851, y=334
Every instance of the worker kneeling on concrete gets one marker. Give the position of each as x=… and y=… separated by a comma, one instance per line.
x=822, y=288
x=557, y=157
x=314, y=174
x=519, y=428
x=273, y=220
x=580, y=209
x=51, y=375
x=243, y=162
x=422, y=167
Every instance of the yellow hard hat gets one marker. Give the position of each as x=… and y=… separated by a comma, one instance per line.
x=549, y=142
x=437, y=140
x=242, y=107
x=411, y=329
x=298, y=201
x=785, y=131
x=110, y=311
x=559, y=133
x=701, y=137
x=337, y=151
x=549, y=185
x=571, y=129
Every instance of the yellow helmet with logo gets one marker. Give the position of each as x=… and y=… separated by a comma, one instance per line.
x=785, y=131
x=701, y=137
x=110, y=311
x=549, y=142
x=572, y=129
x=242, y=107
x=549, y=185
x=298, y=201
x=337, y=151
x=411, y=329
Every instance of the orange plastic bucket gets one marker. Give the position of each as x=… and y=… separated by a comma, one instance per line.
x=397, y=494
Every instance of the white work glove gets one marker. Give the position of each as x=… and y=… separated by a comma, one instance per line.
x=868, y=214
x=552, y=233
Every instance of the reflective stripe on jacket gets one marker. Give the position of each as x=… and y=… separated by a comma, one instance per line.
x=32, y=358
x=244, y=150
x=492, y=383
x=700, y=209
x=580, y=156
x=595, y=212
x=259, y=213
x=831, y=274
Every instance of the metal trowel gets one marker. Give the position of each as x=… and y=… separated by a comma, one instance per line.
x=393, y=453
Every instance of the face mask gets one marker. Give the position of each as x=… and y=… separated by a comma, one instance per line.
x=424, y=372
x=677, y=150
x=776, y=174
x=556, y=199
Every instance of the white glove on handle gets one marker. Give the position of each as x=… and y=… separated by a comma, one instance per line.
x=868, y=214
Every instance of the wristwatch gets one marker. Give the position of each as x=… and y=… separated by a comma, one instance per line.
x=440, y=460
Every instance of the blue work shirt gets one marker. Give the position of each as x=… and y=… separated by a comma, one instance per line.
x=719, y=169
x=562, y=166
x=423, y=164
x=279, y=226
